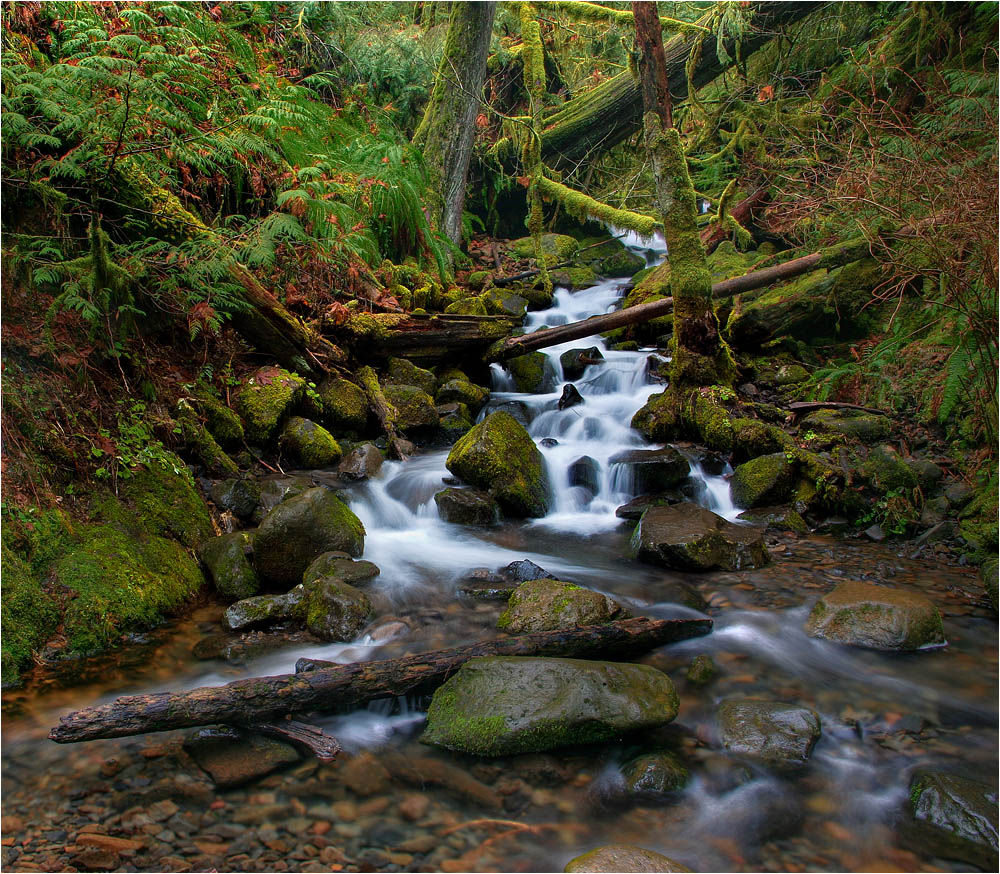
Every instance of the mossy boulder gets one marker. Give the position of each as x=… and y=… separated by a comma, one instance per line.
x=239, y=496
x=777, y=518
x=876, y=617
x=690, y=538
x=340, y=566
x=461, y=391
x=477, y=279
x=498, y=455
x=399, y=371
x=309, y=444
x=467, y=507
x=855, y=425
x=768, y=479
x=344, y=406
x=302, y=528
x=887, y=470
x=573, y=278
x=361, y=463
x=531, y=372
x=655, y=776
x=790, y=374
x=545, y=605
x=28, y=616
x=621, y=263
x=201, y=443
x=575, y=361
x=265, y=399
x=498, y=706
x=262, y=610
x=415, y=408
x=954, y=818
x=454, y=420
x=653, y=470
x=555, y=247
x=335, y=610
x=222, y=423
x=467, y=306
x=623, y=859
x=504, y=302
x=228, y=561
x=774, y=734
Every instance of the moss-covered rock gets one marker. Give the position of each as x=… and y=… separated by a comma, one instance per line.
x=467, y=306
x=458, y=391
x=954, y=818
x=265, y=399
x=309, y=444
x=545, y=605
x=776, y=735
x=573, y=278
x=499, y=456
x=623, y=858
x=531, y=372
x=876, y=617
x=477, y=279
x=768, y=479
x=201, y=443
x=467, y=507
x=340, y=566
x=790, y=374
x=777, y=518
x=887, y=470
x=335, y=610
x=302, y=528
x=222, y=423
x=263, y=610
x=454, y=421
x=228, y=561
x=621, y=263
x=555, y=247
x=28, y=616
x=702, y=670
x=239, y=496
x=504, y=302
x=853, y=424
x=344, y=406
x=507, y=705
x=415, y=408
x=399, y=371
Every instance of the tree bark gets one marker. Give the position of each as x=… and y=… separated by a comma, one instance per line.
x=610, y=113
x=448, y=128
x=265, y=699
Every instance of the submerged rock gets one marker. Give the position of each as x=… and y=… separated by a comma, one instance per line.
x=702, y=670
x=361, y=463
x=777, y=735
x=232, y=757
x=545, y=605
x=228, y=561
x=655, y=776
x=467, y=507
x=309, y=444
x=499, y=456
x=654, y=470
x=499, y=706
x=876, y=617
x=623, y=858
x=688, y=537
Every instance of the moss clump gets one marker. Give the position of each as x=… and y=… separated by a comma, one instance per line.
x=477, y=280
x=765, y=480
x=344, y=405
x=222, y=423
x=546, y=604
x=402, y=372
x=372, y=326
x=530, y=372
x=310, y=444
x=461, y=391
x=265, y=399
x=28, y=616
x=414, y=407
x=555, y=248
x=468, y=306
x=888, y=471
x=200, y=441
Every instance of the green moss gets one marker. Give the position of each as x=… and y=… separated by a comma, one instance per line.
x=477, y=280
x=222, y=423
x=399, y=371
x=344, y=405
x=28, y=616
x=372, y=326
x=311, y=444
x=469, y=306
x=265, y=399
x=529, y=371
x=414, y=407
x=200, y=441
x=555, y=247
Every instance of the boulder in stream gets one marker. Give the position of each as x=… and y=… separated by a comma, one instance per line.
x=774, y=734
x=768, y=479
x=531, y=372
x=570, y=397
x=499, y=456
x=263, y=610
x=361, y=463
x=655, y=776
x=524, y=570
x=302, y=528
x=414, y=407
x=876, y=617
x=545, y=605
x=585, y=473
x=239, y=496
x=228, y=561
x=461, y=391
x=335, y=610
x=623, y=858
x=467, y=507
x=691, y=538
x=505, y=705
x=654, y=470
x=310, y=445
x=575, y=361
x=232, y=757
x=340, y=566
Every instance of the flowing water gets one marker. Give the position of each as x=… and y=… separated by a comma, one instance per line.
x=389, y=803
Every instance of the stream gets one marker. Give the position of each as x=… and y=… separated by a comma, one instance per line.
x=883, y=714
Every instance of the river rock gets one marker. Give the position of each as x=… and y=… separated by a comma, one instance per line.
x=309, y=444
x=524, y=570
x=518, y=409
x=505, y=705
x=623, y=858
x=768, y=479
x=414, y=407
x=265, y=398
x=302, y=528
x=531, y=372
x=688, y=537
x=454, y=420
x=274, y=491
x=265, y=610
x=853, y=424
x=545, y=605
x=655, y=776
x=340, y=566
x=335, y=610
x=585, y=473
x=232, y=757
x=777, y=735
x=402, y=372
x=634, y=509
x=954, y=818
x=776, y=518
x=622, y=263
x=461, y=391
x=702, y=670
x=790, y=374
x=654, y=470
x=467, y=507
x=361, y=463
x=876, y=617
x=570, y=397
x=499, y=456
x=228, y=561
x=344, y=405
x=239, y=496
x=575, y=361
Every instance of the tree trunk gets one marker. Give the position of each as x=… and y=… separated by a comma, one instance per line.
x=448, y=128
x=264, y=699
x=610, y=113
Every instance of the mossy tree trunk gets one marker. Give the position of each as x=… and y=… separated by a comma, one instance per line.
x=700, y=355
x=445, y=134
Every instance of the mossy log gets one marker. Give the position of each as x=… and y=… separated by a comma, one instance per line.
x=386, y=413
x=432, y=339
x=265, y=699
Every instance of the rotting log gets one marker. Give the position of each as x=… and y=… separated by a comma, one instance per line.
x=266, y=699
x=385, y=412
x=426, y=339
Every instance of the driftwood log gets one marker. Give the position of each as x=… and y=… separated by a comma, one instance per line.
x=258, y=700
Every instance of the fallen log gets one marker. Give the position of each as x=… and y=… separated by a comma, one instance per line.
x=431, y=339
x=259, y=700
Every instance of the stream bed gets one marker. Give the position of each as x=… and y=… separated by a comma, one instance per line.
x=389, y=803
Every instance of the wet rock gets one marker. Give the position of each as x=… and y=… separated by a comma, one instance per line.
x=499, y=456
x=268, y=395
x=634, y=509
x=874, y=533
x=414, y=408
x=302, y=528
x=790, y=374
x=524, y=570
x=654, y=470
x=483, y=584
x=274, y=491
x=232, y=757
x=344, y=406
x=335, y=610
x=621, y=263
x=361, y=463
x=622, y=858
x=758, y=811
x=702, y=670
x=887, y=470
x=239, y=496
x=506, y=705
x=876, y=617
x=570, y=397
x=467, y=507
x=462, y=391
x=575, y=361
x=265, y=610
x=549, y=442
x=954, y=818
x=402, y=372
x=545, y=605
x=454, y=421
x=777, y=518
x=855, y=425
x=228, y=561
x=688, y=537
x=518, y=409
x=586, y=473
x=655, y=776
x=310, y=445
x=531, y=373
x=768, y=479
x=340, y=566
x=388, y=629
x=774, y=734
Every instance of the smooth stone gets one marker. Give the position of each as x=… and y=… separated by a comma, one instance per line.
x=774, y=734
x=655, y=776
x=467, y=507
x=876, y=617
x=702, y=670
x=955, y=818
x=524, y=570
x=239, y=496
x=634, y=509
x=361, y=463
x=575, y=361
x=265, y=610
x=228, y=561
x=570, y=397
x=585, y=473
x=340, y=566
x=232, y=757
x=654, y=470
x=545, y=605
x=623, y=858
